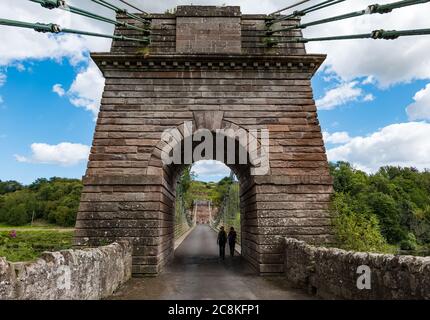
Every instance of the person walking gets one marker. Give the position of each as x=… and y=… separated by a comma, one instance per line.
x=222, y=241
x=232, y=235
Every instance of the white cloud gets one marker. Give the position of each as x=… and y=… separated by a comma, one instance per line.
x=2, y=79
x=86, y=90
x=420, y=109
x=20, y=67
x=21, y=158
x=389, y=62
x=403, y=144
x=58, y=89
x=369, y=80
x=368, y=97
x=210, y=170
x=21, y=44
x=342, y=94
x=329, y=77
x=379, y=61
x=336, y=137
x=348, y=59
x=64, y=154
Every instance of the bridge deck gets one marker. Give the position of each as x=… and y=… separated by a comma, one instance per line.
x=197, y=273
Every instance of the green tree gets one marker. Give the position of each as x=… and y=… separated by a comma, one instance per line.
x=9, y=186
x=356, y=230
x=18, y=215
x=55, y=200
x=385, y=208
x=397, y=197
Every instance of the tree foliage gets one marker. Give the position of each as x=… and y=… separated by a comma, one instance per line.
x=55, y=200
x=9, y=186
x=392, y=204
x=356, y=230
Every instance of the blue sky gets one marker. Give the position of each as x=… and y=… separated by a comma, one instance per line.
x=373, y=97
x=359, y=117
x=31, y=112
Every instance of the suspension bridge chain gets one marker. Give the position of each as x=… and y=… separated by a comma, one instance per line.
x=229, y=211
x=61, y=4
x=273, y=39
x=118, y=10
x=376, y=34
x=133, y=6
x=289, y=7
x=55, y=28
x=372, y=9
x=300, y=13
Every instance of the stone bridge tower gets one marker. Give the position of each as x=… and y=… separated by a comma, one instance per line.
x=211, y=66
x=202, y=211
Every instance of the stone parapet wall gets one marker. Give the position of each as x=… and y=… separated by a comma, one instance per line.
x=332, y=273
x=208, y=29
x=88, y=274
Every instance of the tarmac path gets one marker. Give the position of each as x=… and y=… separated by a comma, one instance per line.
x=197, y=273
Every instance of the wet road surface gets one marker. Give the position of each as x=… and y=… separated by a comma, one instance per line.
x=197, y=273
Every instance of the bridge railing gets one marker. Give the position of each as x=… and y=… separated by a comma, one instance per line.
x=184, y=220
x=229, y=212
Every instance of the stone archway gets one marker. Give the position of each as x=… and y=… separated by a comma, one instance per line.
x=219, y=78
x=214, y=123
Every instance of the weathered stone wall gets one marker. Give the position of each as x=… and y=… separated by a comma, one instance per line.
x=68, y=275
x=170, y=35
x=204, y=30
x=202, y=210
x=332, y=273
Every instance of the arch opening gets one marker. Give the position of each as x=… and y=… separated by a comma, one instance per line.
x=207, y=193
x=221, y=198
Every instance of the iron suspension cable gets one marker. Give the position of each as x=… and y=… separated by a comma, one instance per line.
x=318, y=6
x=301, y=13
x=119, y=10
x=323, y=5
x=61, y=4
x=132, y=6
x=372, y=9
x=55, y=28
x=376, y=34
x=289, y=7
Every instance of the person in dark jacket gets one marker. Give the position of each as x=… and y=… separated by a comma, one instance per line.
x=222, y=241
x=232, y=240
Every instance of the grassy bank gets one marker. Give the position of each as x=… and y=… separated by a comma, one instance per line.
x=34, y=227
x=29, y=244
